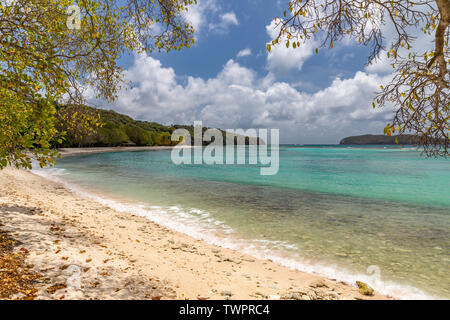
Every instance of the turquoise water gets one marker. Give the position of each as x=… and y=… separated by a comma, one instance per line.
x=333, y=210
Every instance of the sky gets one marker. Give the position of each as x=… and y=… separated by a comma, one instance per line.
x=228, y=80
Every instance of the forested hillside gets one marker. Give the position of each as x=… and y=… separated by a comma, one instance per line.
x=380, y=139
x=109, y=129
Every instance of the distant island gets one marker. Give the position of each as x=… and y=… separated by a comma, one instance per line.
x=379, y=140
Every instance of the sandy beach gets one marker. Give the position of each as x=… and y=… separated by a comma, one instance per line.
x=65, y=152
x=84, y=250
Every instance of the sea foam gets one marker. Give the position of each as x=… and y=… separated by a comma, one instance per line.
x=199, y=225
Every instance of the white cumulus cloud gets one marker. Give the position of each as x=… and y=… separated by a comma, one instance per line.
x=226, y=21
x=198, y=14
x=244, y=53
x=238, y=98
x=281, y=60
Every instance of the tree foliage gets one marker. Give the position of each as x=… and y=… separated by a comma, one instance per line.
x=46, y=62
x=419, y=88
x=115, y=129
x=111, y=129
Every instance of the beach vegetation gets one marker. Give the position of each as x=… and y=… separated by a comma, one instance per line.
x=419, y=87
x=52, y=51
x=111, y=129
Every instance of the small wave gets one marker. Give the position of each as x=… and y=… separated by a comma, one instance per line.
x=199, y=225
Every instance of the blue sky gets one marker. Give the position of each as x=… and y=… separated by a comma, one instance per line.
x=229, y=80
x=212, y=50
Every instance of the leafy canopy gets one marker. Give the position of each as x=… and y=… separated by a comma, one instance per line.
x=114, y=130
x=419, y=88
x=48, y=58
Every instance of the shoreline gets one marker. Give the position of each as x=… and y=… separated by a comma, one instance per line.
x=65, y=152
x=120, y=255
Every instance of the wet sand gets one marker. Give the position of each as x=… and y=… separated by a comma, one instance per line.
x=85, y=250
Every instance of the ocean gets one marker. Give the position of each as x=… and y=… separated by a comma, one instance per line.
x=375, y=214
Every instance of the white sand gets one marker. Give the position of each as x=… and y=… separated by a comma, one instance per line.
x=122, y=256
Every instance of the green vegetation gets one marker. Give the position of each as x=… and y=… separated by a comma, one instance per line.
x=420, y=86
x=116, y=129
x=380, y=140
x=49, y=54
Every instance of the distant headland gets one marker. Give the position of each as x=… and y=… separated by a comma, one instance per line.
x=379, y=140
